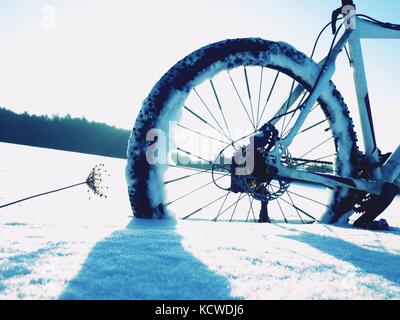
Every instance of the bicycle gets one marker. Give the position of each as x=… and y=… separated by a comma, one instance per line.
x=335, y=182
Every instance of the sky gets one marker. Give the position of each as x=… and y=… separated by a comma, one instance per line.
x=100, y=58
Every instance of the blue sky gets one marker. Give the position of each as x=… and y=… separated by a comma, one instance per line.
x=100, y=58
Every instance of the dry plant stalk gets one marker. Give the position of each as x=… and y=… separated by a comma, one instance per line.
x=95, y=182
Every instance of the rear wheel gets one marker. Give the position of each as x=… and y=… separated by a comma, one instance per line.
x=207, y=106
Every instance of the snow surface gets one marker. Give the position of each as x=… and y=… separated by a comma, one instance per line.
x=67, y=246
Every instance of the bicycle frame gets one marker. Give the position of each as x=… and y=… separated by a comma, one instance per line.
x=390, y=171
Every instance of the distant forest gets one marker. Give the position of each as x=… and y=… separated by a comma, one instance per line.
x=63, y=133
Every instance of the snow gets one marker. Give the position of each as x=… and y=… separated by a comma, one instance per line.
x=65, y=246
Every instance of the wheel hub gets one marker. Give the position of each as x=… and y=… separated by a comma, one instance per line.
x=262, y=182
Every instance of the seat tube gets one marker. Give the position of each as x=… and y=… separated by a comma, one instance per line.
x=364, y=105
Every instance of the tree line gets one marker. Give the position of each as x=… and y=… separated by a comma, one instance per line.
x=63, y=133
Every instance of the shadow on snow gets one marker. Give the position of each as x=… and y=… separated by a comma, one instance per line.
x=376, y=262
x=145, y=261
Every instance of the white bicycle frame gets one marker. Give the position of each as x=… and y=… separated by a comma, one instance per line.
x=390, y=171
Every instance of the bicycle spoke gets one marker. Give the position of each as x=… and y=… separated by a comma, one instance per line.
x=209, y=111
x=201, y=134
x=205, y=121
x=220, y=109
x=288, y=104
x=222, y=206
x=187, y=176
x=193, y=155
x=234, y=210
x=280, y=208
x=223, y=166
x=294, y=113
x=249, y=93
x=268, y=98
x=216, y=218
x=195, y=190
x=259, y=93
x=304, y=197
x=193, y=169
x=322, y=143
x=271, y=189
x=202, y=208
x=315, y=107
x=286, y=131
x=299, y=210
x=241, y=101
x=250, y=208
x=313, y=126
x=293, y=205
x=254, y=215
